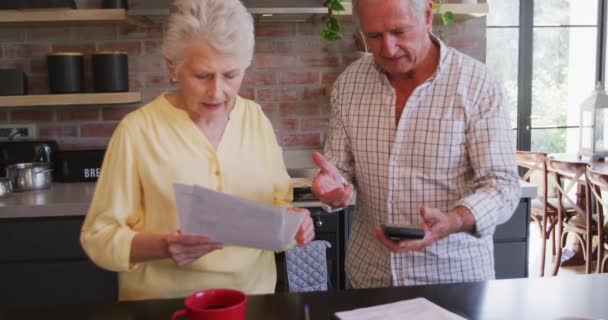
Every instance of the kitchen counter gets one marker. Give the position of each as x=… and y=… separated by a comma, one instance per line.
x=575, y=297
x=72, y=199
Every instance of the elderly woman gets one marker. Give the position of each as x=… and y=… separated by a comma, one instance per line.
x=205, y=134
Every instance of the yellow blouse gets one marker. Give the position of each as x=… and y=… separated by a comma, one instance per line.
x=156, y=146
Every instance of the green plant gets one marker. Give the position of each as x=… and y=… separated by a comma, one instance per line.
x=333, y=30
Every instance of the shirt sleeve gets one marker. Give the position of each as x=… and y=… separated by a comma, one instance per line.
x=494, y=191
x=106, y=234
x=337, y=145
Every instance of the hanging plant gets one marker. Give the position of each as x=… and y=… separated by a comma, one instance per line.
x=333, y=30
x=447, y=17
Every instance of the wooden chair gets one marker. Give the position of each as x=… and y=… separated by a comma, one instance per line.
x=544, y=209
x=597, y=183
x=567, y=176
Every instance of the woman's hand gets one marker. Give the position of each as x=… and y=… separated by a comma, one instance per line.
x=185, y=249
x=306, y=232
x=329, y=185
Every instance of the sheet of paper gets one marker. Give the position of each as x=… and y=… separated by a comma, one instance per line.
x=234, y=221
x=419, y=308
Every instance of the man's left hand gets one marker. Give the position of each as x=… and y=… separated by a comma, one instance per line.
x=437, y=225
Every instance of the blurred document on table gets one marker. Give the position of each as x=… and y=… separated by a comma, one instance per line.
x=234, y=221
x=419, y=309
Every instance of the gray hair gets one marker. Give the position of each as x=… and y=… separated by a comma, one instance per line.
x=225, y=25
x=416, y=6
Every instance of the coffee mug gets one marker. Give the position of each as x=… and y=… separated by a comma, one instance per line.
x=214, y=304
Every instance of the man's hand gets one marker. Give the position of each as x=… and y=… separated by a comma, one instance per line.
x=185, y=249
x=306, y=232
x=437, y=225
x=329, y=185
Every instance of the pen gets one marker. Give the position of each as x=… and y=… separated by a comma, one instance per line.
x=306, y=312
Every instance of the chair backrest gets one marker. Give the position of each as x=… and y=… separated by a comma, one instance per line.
x=534, y=163
x=565, y=176
x=597, y=183
x=307, y=267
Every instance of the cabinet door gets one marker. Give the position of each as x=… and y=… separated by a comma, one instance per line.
x=511, y=260
x=515, y=228
x=56, y=282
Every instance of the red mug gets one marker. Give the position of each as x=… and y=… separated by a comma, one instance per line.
x=214, y=304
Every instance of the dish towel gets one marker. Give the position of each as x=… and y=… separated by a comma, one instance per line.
x=307, y=267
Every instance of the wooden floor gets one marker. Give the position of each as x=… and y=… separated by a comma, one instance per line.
x=534, y=258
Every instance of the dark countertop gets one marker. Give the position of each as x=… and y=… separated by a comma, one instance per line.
x=72, y=199
x=570, y=297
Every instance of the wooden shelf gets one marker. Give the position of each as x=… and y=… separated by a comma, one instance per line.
x=62, y=16
x=461, y=11
x=69, y=99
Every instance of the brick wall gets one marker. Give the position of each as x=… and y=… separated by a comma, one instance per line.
x=291, y=69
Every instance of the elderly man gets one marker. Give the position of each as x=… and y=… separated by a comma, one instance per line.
x=421, y=131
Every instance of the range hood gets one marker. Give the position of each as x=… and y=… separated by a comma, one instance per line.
x=262, y=10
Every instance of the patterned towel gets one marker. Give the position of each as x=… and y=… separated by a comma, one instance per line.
x=307, y=267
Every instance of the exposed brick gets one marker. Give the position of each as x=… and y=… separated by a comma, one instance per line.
x=3, y=116
x=85, y=48
x=130, y=47
x=38, y=65
x=329, y=77
x=26, y=50
x=48, y=34
x=309, y=29
x=290, y=109
x=37, y=84
x=116, y=113
x=298, y=46
x=276, y=61
x=97, y=33
x=311, y=93
x=97, y=129
x=38, y=115
x=146, y=64
x=77, y=114
x=265, y=46
x=259, y=78
x=288, y=125
x=347, y=59
x=152, y=46
x=321, y=61
x=277, y=93
x=314, y=124
x=21, y=64
x=135, y=83
x=82, y=143
x=131, y=31
x=55, y=131
x=299, y=77
x=247, y=93
x=12, y=34
x=304, y=140
x=269, y=110
x=156, y=80
x=275, y=29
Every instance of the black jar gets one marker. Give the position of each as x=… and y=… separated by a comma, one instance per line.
x=111, y=71
x=65, y=72
x=115, y=4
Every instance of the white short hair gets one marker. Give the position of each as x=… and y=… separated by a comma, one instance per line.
x=225, y=25
x=416, y=6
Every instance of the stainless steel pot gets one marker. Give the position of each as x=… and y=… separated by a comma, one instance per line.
x=29, y=176
x=5, y=187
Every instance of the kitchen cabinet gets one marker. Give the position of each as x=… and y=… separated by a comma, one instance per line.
x=41, y=261
x=70, y=99
x=511, y=242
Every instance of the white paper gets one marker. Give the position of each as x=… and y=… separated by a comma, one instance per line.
x=419, y=308
x=234, y=221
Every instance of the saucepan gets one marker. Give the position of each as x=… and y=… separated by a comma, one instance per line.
x=5, y=187
x=29, y=175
